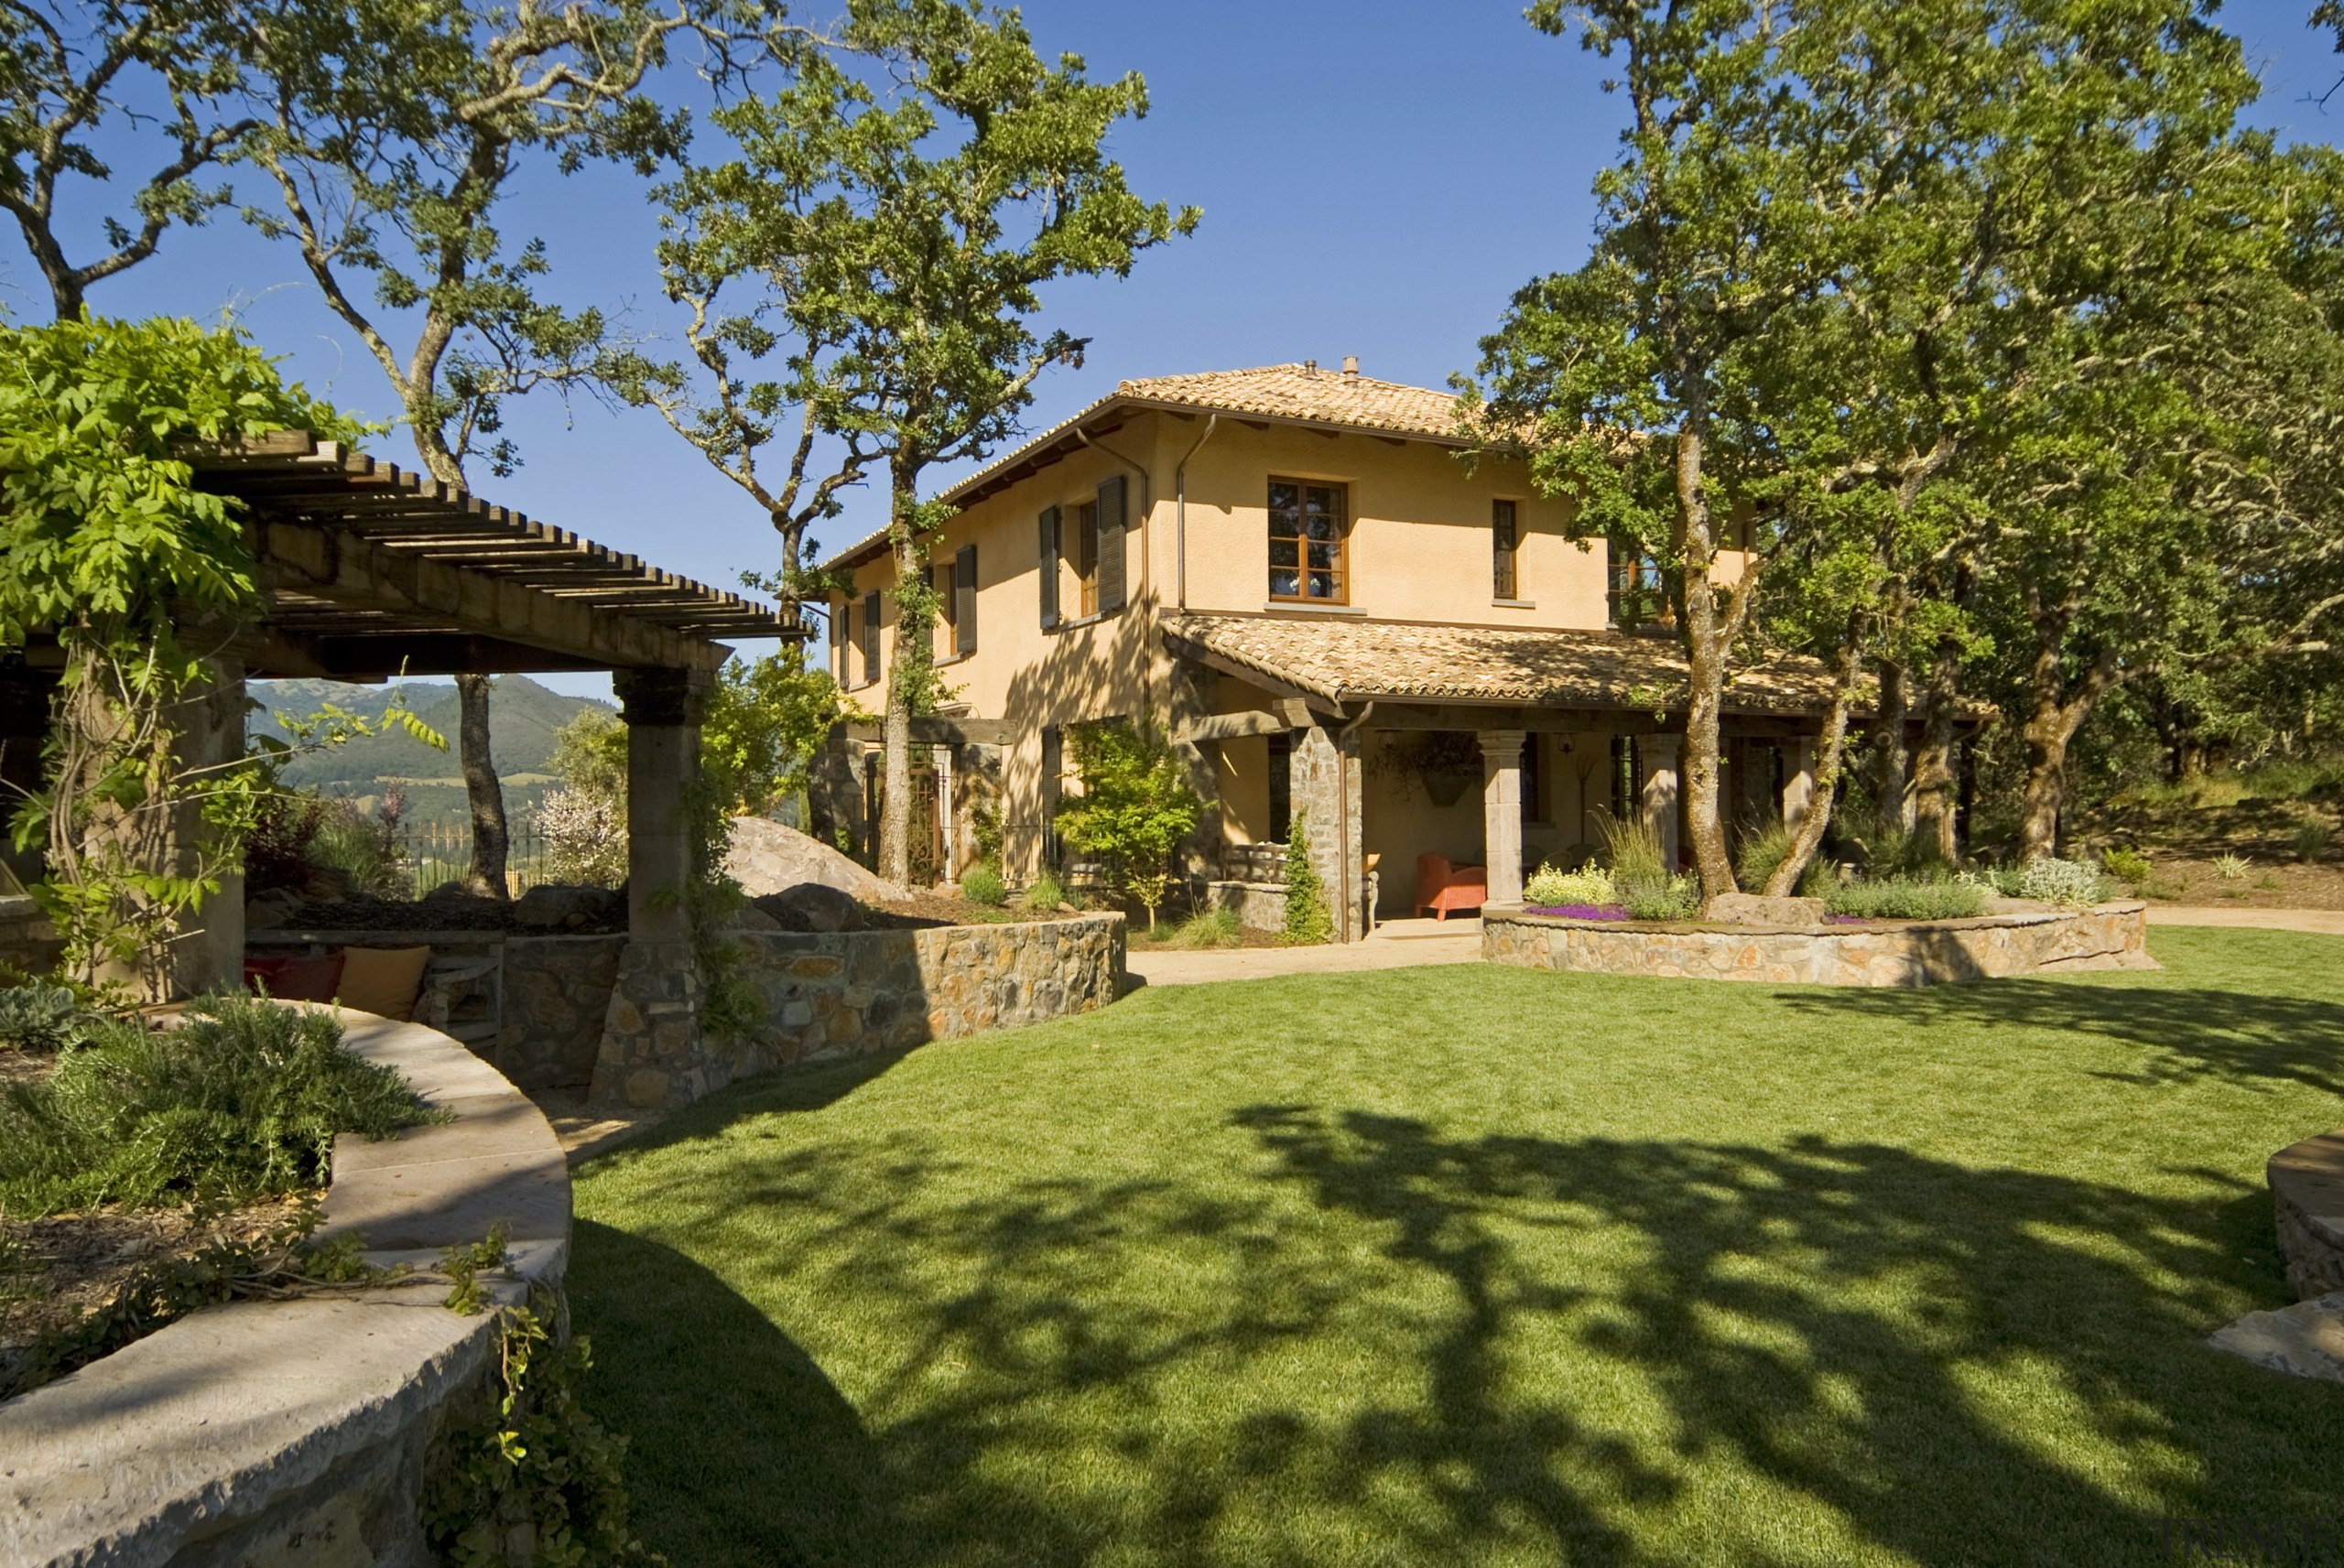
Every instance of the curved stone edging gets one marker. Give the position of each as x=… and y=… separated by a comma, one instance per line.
x=2307, y=1193
x=2113, y=935
x=296, y=1431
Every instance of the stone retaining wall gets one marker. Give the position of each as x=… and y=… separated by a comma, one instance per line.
x=1878, y=953
x=27, y=942
x=283, y=1432
x=853, y=993
x=2307, y=1192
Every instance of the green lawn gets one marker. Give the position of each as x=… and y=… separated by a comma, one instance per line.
x=1484, y=1266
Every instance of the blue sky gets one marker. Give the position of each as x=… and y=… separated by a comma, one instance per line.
x=1377, y=176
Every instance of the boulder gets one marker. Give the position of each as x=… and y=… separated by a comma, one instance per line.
x=1755, y=909
x=810, y=906
x=752, y=918
x=555, y=906
x=326, y=885
x=272, y=911
x=2305, y=1340
x=767, y=857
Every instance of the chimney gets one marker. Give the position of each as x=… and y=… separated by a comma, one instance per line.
x=1310, y=367
x=1351, y=367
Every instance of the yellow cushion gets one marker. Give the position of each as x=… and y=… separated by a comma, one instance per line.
x=383, y=980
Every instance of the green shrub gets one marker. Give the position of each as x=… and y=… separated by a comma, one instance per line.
x=2230, y=868
x=1632, y=850
x=1213, y=928
x=1763, y=851
x=2311, y=841
x=2047, y=879
x=242, y=1100
x=1908, y=898
x=983, y=884
x=1045, y=894
x=1672, y=898
x=1590, y=885
x=364, y=845
x=1307, y=917
x=2127, y=865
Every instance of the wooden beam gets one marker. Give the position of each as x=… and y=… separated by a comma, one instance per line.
x=932, y=729
x=354, y=571
x=1276, y=720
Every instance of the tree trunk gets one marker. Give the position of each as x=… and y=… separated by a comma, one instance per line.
x=1934, y=805
x=908, y=669
x=1830, y=754
x=482, y=790
x=2057, y=717
x=1891, y=764
x=1705, y=658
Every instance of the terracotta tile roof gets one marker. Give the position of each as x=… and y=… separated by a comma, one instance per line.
x=1319, y=396
x=1288, y=392
x=1345, y=660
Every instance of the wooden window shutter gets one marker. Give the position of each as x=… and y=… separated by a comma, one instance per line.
x=871, y=636
x=964, y=600
x=838, y=642
x=1050, y=566
x=1112, y=496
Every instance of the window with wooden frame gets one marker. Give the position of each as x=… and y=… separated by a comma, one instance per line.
x=956, y=605
x=942, y=638
x=1504, y=544
x=868, y=636
x=1310, y=520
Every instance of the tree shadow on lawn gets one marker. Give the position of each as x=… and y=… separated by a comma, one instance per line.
x=1368, y=1342
x=2195, y=1032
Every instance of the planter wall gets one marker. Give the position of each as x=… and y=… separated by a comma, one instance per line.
x=27, y=942
x=2307, y=1192
x=1915, y=953
x=298, y=1432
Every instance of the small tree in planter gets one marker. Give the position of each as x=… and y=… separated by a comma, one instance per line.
x=1135, y=808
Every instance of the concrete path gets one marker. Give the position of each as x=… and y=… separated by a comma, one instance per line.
x=2327, y=922
x=1396, y=945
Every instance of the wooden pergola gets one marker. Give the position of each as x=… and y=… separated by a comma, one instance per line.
x=370, y=571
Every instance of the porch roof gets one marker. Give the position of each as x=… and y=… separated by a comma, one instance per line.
x=1346, y=659
x=371, y=569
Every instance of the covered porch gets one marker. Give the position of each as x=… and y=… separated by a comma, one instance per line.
x=1462, y=758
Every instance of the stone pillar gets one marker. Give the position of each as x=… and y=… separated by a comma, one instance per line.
x=653, y=1057
x=1659, y=756
x=1798, y=779
x=1502, y=813
x=1324, y=788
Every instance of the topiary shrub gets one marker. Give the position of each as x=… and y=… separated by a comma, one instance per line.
x=1307, y=917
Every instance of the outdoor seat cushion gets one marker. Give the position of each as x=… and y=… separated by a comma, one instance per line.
x=383, y=980
x=295, y=976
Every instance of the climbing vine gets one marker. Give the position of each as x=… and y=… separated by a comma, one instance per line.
x=140, y=578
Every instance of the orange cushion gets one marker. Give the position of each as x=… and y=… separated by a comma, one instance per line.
x=383, y=980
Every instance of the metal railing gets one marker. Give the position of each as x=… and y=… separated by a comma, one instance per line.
x=441, y=852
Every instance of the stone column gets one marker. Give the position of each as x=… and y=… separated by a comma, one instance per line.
x=1324, y=788
x=1659, y=758
x=1502, y=813
x=653, y=1057
x=1798, y=779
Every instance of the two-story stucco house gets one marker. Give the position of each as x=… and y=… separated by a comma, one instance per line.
x=1292, y=573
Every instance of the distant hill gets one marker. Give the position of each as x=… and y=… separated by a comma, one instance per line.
x=522, y=718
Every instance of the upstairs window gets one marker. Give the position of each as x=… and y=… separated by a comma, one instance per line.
x=1308, y=523
x=867, y=637
x=1503, y=542
x=1082, y=554
x=1636, y=594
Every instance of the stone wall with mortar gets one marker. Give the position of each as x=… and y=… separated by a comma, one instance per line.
x=1875, y=953
x=852, y=993
x=1258, y=905
x=2307, y=1192
x=298, y=1431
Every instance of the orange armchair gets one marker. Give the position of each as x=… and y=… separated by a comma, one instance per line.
x=1441, y=887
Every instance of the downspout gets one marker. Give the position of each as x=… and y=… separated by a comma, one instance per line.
x=1180, y=518
x=1343, y=806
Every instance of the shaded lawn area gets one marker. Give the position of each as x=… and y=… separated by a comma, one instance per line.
x=1467, y=1265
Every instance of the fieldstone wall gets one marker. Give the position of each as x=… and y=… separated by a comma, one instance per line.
x=301, y=1431
x=1261, y=905
x=2308, y=1191
x=1901, y=953
x=556, y=997
x=28, y=941
x=852, y=993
